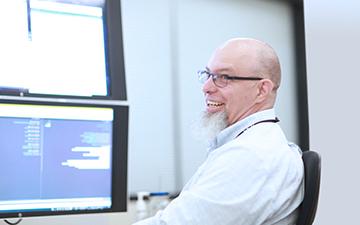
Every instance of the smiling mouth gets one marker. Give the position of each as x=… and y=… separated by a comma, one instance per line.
x=214, y=104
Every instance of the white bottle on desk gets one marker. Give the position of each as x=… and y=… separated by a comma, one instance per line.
x=141, y=206
x=158, y=201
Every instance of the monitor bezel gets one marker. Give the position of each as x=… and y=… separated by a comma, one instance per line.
x=114, y=57
x=119, y=160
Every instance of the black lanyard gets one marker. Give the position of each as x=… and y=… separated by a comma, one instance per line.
x=262, y=121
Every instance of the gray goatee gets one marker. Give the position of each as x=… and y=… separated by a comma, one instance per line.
x=209, y=125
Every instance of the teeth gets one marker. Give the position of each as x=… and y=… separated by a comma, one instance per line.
x=211, y=103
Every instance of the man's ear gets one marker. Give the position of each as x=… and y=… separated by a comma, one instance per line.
x=265, y=87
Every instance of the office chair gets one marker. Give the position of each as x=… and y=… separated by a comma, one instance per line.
x=312, y=173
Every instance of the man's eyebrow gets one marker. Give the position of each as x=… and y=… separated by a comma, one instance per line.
x=222, y=72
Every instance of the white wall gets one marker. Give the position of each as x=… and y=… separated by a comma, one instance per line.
x=332, y=45
x=148, y=63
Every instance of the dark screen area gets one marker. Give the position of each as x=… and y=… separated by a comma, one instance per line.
x=35, y=153
x=61, y=158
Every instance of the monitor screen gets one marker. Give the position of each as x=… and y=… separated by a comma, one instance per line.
x=62, y=158
x=61, y=48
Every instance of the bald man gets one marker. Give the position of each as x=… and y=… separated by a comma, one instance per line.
x=252, y=174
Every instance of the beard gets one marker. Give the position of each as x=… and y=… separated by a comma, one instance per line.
x=210, y=125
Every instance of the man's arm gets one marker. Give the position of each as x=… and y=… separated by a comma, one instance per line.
x=232, y=188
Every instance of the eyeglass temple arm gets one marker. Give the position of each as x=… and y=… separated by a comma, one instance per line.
x=244, y=78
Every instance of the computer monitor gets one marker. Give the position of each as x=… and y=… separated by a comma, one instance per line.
x=62, y=158
x=68, y=48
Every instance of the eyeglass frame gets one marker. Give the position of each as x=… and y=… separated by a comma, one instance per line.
x=215, y=77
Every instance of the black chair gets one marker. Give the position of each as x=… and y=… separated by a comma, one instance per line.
x=312, y=173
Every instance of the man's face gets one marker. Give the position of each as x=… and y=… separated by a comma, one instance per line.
x=237, y=99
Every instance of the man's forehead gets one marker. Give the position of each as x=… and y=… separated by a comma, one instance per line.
x=220, y=67
x=230, y=64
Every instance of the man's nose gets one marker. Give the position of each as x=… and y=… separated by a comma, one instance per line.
x=209, y=86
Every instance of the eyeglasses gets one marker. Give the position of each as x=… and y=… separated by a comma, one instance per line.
x=221, y=80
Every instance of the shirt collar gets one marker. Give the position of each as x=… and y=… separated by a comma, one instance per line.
x=233, y=130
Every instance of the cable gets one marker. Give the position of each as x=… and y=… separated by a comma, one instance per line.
x=17, y=222
x=10, y=223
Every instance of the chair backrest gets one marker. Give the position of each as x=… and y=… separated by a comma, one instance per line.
x=312, y=166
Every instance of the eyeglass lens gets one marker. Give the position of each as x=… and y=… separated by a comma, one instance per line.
x=218, y=80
